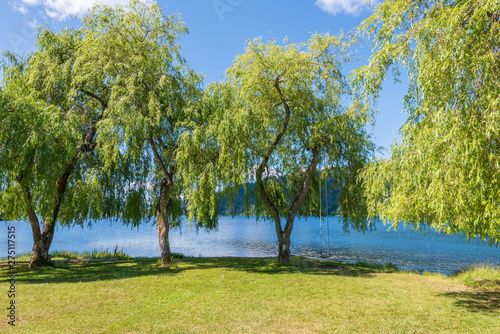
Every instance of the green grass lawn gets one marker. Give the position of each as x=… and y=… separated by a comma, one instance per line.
x=221, y=295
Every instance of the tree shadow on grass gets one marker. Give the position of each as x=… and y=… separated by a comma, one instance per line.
x=296, y=265
x=82, y=271
x=477, y=300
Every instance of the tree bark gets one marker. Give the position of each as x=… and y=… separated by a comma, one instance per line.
x=284, y=239
x=284, y=248
x=41, y=245
x=163, y=224
x=164, y=205
x=41, y=239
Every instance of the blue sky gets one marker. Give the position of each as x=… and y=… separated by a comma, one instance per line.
x=218, y=31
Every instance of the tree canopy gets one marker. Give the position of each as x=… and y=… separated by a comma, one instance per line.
x=445, y=173
x=85, y=116
x=48, y=124
x=277, y=116
x=136, y=49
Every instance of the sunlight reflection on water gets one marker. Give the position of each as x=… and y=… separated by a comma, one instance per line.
x=241, y=237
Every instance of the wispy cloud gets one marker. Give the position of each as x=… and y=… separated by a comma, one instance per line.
x=353, y=7
x=19, y=7
x=61, y=10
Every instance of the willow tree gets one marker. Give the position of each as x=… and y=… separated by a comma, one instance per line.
x=275, y=119
x=445, y=173
x=136, y=48
x=48, y=126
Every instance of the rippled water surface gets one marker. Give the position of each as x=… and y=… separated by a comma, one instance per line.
x=242, y=237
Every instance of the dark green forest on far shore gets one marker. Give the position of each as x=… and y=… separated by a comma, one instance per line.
x=236, y=206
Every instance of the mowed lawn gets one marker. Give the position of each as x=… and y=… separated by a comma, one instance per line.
x=233, y=295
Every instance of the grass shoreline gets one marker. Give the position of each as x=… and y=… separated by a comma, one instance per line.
x=250, y=295
x=119, y=254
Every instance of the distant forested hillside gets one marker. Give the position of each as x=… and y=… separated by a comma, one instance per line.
x=236, y=206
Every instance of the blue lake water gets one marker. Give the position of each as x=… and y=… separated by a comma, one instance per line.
x=242, y=237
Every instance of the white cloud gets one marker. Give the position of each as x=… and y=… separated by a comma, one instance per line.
x=33, y=23
x=20, y=8
x=353, y=7
x=31, y=2
x=63, y=9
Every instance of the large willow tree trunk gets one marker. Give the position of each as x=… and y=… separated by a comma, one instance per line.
x=284, y=248
x=41, y=245
x=163, y=229
x=163, y=224
x=41, y=239
x=284, y=234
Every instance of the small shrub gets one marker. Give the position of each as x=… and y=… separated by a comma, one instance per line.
x=480, y=276
x=116, y=254
x=178, y=256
